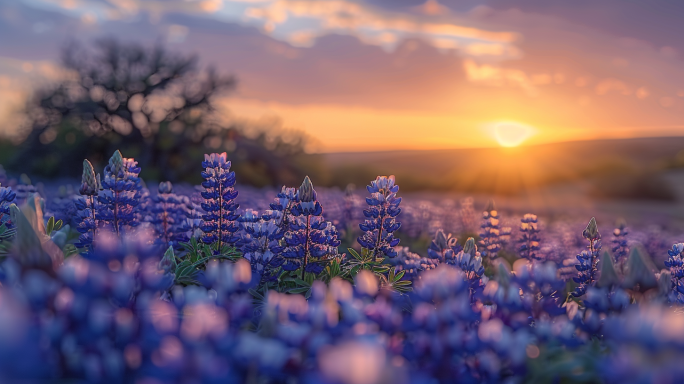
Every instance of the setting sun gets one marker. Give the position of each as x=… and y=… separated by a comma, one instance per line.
x=510, y=134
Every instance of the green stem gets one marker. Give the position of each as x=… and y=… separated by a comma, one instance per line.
x=377, y=243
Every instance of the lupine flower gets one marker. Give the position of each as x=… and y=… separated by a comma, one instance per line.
x=261, y=243
x=7, y=197
x=620, y=247
x=411, y=263
x=118, y=204
x=24, y=189
x=380, y=224
x=529, y=239
x=282, y=207
x=470, y=262
x=588, y=260
x=675, y=263
x=114, y=314
x=489, y=238
x=62, y=207
x=311, y=241
x=443, y=247
x=7, y=230
x=542, y=289
x=218, y=224
x=90, y=182
x=86, y=223
x=170, y=215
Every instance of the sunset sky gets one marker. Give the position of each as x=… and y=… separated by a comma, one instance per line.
x=394, y=74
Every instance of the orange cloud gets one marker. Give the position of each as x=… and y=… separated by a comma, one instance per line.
x=607, y=85
x=376, y=27
x=495, y=76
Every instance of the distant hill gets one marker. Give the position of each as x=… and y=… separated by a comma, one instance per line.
x=607, y=164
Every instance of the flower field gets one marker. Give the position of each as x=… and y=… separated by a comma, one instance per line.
x=116, y=281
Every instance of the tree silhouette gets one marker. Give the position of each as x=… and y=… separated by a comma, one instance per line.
x=153, y=105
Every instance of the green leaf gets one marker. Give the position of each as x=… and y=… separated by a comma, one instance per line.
x=50, y=225
x=58, y=225
x=69, y=250
x=168, y=262
x=393, y=281
x=301, y=282
x=400, y=274
x=354, y=254
x=6, y=239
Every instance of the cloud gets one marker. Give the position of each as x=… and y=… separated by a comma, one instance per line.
x=362, y=64
x=288, y=19
x=17, y=80
x=608, y=85
x=498, y=77
x=301, y=22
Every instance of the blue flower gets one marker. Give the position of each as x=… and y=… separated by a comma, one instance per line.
x=411, y=263
x=170, y=215
x=24, y=189
x=218, y=223
x=588, y=260
x=7, y=196
x=380, y=223
x=86, y=222
x=443, y=247
x=90, y=182
x=675, y=263
x=489, y=238
x=620, y=247
x=281, y=207
x=86, y=211
x=118, y=204
x=541, y=288
x=529, y=239
x=311, y=241
x=470, y=262
x=260, y=244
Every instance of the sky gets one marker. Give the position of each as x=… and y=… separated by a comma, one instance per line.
x=367, y=75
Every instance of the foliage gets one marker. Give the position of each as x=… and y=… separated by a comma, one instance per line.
x=153, y=104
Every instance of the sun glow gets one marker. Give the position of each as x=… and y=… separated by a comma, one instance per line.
x=510, y=134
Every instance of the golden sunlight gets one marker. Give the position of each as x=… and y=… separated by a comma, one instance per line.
x=510, y=134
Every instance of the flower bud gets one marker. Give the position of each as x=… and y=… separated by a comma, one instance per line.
x=89, y=182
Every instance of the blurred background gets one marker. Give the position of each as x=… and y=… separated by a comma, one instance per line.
x=542, y=104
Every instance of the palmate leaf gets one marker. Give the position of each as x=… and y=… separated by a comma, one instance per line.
x=393, y=281
x=300, y=286
x=196, y=256
x=364, y=260
x=332, y=270
x=186, y=273
x=69, y=250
